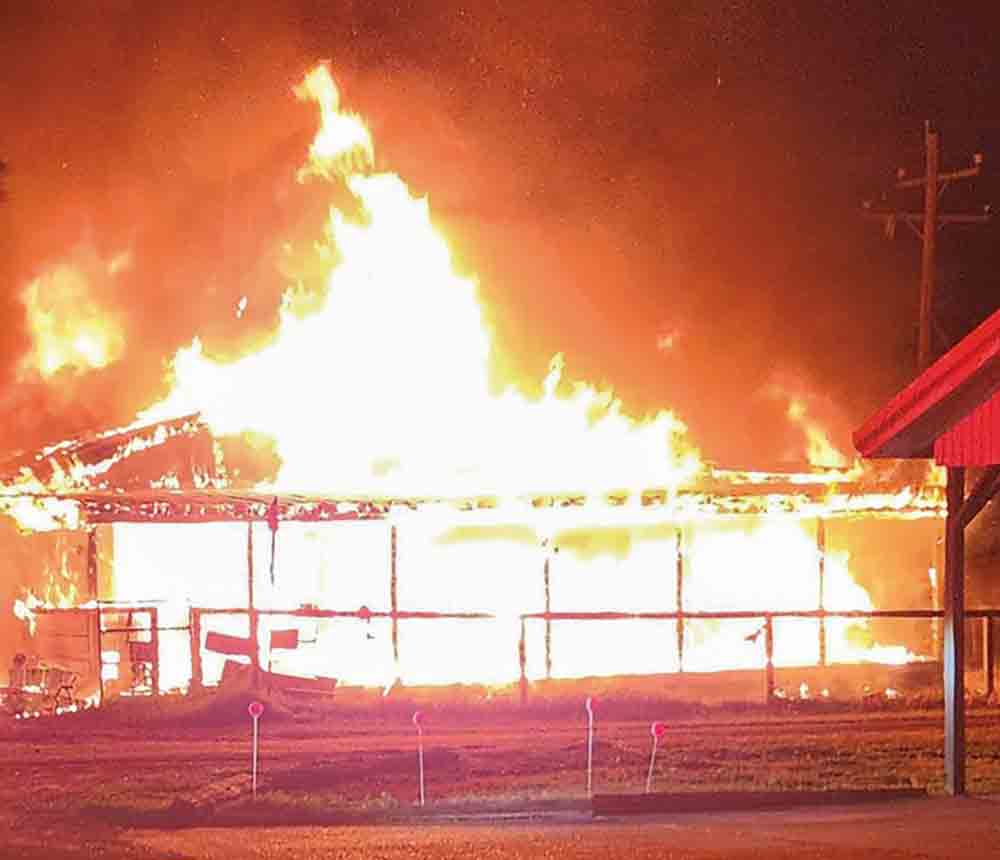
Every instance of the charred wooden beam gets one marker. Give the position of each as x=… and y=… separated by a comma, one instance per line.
x=769, y=658
x=522, y=662
x=359, y=614
x=679, y=595
x=253, y=615
x=95, y=630
x=154, y=639
x=821, y=556
x=96, y=449
x=197, y=672
x=406, y=615
x=985, y=489
x=748, y=614
x=201, y=507
x=92, y=578
x=989, y=655
x=226, y=505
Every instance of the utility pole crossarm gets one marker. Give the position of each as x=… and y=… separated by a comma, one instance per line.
x=918, y=217
x=942, y=178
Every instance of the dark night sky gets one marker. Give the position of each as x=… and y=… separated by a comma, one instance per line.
x=612, y=172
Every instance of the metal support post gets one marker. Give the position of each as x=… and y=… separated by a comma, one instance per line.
x=954, y=637
x=197, y=672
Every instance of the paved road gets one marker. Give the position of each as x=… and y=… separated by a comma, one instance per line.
x=931, y=828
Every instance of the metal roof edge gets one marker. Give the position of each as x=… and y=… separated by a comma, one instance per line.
x=961, y=379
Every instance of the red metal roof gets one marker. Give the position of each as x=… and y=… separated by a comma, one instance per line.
x=973, y=441
x=949, y=410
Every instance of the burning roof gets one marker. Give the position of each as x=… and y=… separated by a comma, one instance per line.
x=173, y=471
x=376, y=397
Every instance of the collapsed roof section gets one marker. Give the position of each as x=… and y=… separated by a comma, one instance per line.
x=122, y=458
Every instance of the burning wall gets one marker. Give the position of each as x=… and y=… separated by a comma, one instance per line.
x=695, y=551
x=48, y=569
x=454, y=565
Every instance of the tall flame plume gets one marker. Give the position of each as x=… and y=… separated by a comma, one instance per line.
x=386, y=388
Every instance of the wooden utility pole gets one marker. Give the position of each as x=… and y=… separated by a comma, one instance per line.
x=927, y=258
x=926, y=224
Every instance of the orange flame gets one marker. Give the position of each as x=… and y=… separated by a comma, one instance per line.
x=343, y=143
x=69, y=329
x=820, y=450
x=386, y=390
x=383, y=390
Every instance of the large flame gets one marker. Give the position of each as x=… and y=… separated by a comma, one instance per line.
x=383, y=389
x=68, y=327
x=27, y=501
x=341, y=134
x=386, y=388
x=59, y=590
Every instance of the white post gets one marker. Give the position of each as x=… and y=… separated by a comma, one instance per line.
x=652, y=762
x=657, y=730
x=253, y=778
x=417, y=720
x=255, y=709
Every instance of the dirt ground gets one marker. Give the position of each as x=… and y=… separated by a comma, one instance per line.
x=83, y=781
x=186, y=763
x=917, y=829
x=928, y=828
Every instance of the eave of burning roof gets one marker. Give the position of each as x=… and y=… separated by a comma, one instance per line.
x=75, y=463
x=718, y=500
x=76, y=476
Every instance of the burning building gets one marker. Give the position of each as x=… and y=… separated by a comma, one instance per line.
x=354, y=500
x=157, y=588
